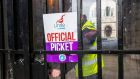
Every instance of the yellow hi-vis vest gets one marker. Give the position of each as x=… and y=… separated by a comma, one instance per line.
x=89, y=61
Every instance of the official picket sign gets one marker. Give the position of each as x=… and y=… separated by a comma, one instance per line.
x=61, y=35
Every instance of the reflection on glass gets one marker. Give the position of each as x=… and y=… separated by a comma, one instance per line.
x=67, y=5
x=70, y=5
x=88, y=22
x=109, y=24
x=89, y=9
x=109, y=37
x=89, y=35
x=53, y=6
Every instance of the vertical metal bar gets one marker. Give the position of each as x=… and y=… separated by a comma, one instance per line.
x=4, y=2
x=30, y=12
x=3, y=66
x=2, y=75
x=46, y=65
x=30, y=19
x=80, y=72
x=26, y=30
x=99, y=60
x=120, y=40
x=22, y=34
x=79, y=13
x=8, y=36
x=60, y=6
x=9, y=23
x=62, y=66
x=1, y=40
x=120, y=67
x=98, y=14
x=15, y=24
x=46, y=8
x=1, y=26
x=120, y=25
x=27, y=65
x=99, y=42
x=15, y=3
x=1, y=63
x=21, y=24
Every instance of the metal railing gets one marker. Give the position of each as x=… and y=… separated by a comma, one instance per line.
x=99, y=52
x=120, y=54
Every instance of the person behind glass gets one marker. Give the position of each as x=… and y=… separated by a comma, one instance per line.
x=89, y=61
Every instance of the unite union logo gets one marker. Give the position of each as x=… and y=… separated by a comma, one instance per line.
x=60, y=23
x=62, y=57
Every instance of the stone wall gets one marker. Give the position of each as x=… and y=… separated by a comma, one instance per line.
x=131, y=24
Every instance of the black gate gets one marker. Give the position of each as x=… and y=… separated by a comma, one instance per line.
x=18, y=19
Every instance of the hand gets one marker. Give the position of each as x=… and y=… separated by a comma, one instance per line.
x=90, y=35
x=55, y=73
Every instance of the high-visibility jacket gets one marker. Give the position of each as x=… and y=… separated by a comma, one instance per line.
x=89, y=61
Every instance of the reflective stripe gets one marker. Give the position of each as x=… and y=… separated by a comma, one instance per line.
x=89, y=62
x=88, y=25
x=93, y=48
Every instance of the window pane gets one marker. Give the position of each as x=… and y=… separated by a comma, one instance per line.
x=110, y=70
x=53, y=6
x=88, y=22
x=67, y=5
x=107, y=11
x=109, y=35
x=109, y=28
